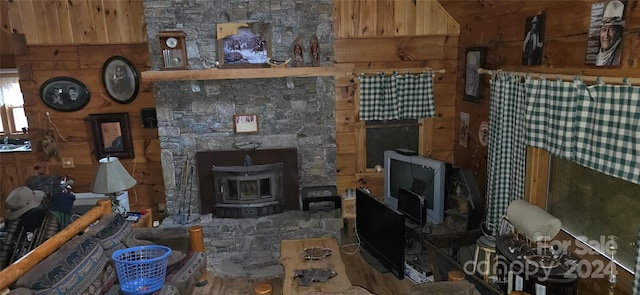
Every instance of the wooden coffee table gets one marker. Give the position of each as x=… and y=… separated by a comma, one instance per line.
x=291, y=259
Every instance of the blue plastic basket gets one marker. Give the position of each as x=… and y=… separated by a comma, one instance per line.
x=141, y=270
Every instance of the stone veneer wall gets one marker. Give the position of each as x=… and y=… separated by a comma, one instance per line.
x=251, y=247
x=197, y=115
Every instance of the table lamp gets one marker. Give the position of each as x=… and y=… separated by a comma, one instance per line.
x=534, y=222
x=110, y=179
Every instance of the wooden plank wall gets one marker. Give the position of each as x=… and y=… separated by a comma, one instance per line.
x=73, y=132
x=500, y=26
x=74, y=38
x=387, y=35
x=75, y=21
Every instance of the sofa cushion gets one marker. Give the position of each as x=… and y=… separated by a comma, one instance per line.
x=78, y=267
x=110, y=231
x=185, y=274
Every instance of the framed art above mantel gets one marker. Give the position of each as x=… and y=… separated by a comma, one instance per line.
x=243, y=45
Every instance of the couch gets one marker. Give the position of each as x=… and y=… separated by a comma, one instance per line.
x=83, y=264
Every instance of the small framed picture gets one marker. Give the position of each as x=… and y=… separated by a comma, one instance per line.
x=120, y=79
x=533, y=40
x=475, y=60
x=245, y=123
x=64, y=94
x=112, y=135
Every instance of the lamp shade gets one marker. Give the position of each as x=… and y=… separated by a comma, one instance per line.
x=533, y=221
x=111, y=177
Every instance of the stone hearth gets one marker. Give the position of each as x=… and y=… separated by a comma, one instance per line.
x=251, y=247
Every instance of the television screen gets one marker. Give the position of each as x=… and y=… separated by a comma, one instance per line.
x=423, y=176
x=381, y=232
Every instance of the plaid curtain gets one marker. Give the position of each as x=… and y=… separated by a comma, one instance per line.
x=608, y=118
x=415, y=95
x=550, y=116
x=506, y=145
x=384, y=97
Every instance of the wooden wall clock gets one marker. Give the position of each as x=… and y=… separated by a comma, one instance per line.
x=174, y=50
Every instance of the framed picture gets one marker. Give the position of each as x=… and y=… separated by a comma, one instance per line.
x=246, y=123
x=112, y=135
x=149, y=118
x=474, y=61
x=533, y=40
x=244, y=45
x=606, y=29
x=64, y=94
x=120, y=79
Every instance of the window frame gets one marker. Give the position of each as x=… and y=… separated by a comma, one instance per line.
x=425, y=139
x=536, y=187
x=6, y=112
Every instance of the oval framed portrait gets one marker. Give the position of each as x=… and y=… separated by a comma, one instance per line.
x=120, y=79
x=64, y=94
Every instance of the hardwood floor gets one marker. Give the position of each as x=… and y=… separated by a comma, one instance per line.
x=359, y=271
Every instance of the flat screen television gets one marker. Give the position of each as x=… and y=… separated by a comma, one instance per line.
x=381, y=232
x=421, y=175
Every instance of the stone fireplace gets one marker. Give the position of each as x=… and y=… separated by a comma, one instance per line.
x=197, y=116
x=296, y=123
x=248, y=191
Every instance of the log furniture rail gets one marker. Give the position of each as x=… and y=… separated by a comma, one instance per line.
x=103, y=207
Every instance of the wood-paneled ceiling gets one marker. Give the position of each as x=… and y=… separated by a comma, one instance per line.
x=468, y=11
x=463, y=11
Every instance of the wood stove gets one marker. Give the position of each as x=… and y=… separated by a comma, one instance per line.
x=248, y=191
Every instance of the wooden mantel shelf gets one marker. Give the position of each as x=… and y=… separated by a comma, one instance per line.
x=244, y=73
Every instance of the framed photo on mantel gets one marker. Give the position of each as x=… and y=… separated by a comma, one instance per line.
x=244, y=45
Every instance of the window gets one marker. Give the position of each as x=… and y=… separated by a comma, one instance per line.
x=593, y=206
x=390, y=135
x=12, y=116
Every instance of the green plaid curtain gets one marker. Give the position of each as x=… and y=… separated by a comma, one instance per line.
x=550, y=116
x=607, y=140
x=384, y=97
x=415, y=95
x=506, y=145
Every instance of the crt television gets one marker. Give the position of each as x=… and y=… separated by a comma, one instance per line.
x=381, y=232
x=421, y=175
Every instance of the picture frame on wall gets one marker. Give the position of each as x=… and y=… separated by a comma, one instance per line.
x=120, y=79
x=533, y=40
x=64, y=94
x=112, y=135
x=606, y=31
x=243, y=45
x=245, y=123
x=474, y=57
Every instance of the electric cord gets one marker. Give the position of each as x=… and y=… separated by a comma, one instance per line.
x=356, y=244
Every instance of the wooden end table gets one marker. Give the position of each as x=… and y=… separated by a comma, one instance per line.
x=291, y=259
